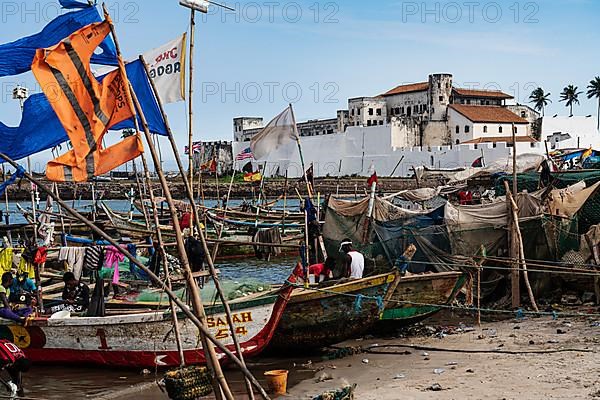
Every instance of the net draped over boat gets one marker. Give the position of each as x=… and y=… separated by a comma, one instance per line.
x=452, y=235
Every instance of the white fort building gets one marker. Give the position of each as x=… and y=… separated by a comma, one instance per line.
x=430, y=123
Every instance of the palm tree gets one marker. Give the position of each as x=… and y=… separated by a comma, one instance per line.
x=540, y=99
x=594, y=91
x=571, y=96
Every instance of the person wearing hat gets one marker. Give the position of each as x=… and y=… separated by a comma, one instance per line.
x=355, y=261
x=22, y=285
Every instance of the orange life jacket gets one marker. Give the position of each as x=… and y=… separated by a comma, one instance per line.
x=85, y=107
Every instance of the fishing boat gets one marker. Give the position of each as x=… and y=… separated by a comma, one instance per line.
x=145, y=340
x=415, y=297
x=317, y=317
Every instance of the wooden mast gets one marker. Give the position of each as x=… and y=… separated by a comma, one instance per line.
x=190, y=194
x=190, y=97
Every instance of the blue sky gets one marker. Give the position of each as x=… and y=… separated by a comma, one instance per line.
x=317, y=54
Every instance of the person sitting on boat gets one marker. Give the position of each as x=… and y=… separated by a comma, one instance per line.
x=17, y=315
x=14, y=362
x=321, y=271
x=76, y=294
x=22, y=289
x=355, y=261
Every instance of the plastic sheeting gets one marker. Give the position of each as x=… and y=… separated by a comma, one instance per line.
x=16, y=57
x=40, y=128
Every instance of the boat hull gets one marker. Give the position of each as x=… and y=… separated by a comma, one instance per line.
x=415, y=297
x=144, y=340
x=315, y=319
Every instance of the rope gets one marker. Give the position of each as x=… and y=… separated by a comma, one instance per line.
x=372, y=349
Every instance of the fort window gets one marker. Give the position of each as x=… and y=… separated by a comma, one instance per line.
x=467, y=128
x=370, y=111
x=500, y=129
x=457, y=129
x=485, y=129
x=378, y=111
x=381, y=122
x=523, y=114
x=368, y=122
x=468, y=101
x=441, y=98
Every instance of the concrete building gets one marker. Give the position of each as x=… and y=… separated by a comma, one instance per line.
x=476, y=124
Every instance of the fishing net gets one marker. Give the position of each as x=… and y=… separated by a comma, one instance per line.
x=188, y=383
x=345, y=393
x=588, y=215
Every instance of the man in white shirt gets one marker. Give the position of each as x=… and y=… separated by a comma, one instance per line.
x=355, y=261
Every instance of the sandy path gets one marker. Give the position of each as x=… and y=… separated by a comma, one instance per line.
x=567, y=375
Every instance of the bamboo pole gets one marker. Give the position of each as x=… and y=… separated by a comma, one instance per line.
x=285, y=190
x=209, y=351
x=201, y=327
x=163, y=255
x=190, y=195
x=220, y=234
x=139, y=188
x=519, y=240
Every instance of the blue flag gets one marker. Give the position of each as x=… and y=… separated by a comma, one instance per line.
x=16, y=57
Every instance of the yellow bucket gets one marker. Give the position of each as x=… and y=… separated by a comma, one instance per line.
x=277, y=381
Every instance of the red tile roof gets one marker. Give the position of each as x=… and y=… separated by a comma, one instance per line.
x=492, y=94
x=413, y=87
x=497, y=139
x=488, y=114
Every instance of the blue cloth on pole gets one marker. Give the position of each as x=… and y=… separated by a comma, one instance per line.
x=40, y=128
x=69, y=4
x=19, y=173
x=16, y=57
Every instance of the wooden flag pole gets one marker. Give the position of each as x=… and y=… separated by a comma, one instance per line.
x=209, y=259
x=189, y=314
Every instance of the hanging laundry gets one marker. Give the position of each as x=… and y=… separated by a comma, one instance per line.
x=6, y=259
x=195, y=253
x=94, y=258
x=74, y=257
x=85, y=107
x=271, y=235
x=112, y=258
x=40, y=255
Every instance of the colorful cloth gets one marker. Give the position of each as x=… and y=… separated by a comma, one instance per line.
x=74, y=257
x=112, y=258
x=85, y=107
x=6, y=259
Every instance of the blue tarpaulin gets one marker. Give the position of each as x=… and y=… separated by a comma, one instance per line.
x=16, y=57
x=40, y=128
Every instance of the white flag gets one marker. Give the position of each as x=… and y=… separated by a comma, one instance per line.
x=166, y=66
x=280, y=131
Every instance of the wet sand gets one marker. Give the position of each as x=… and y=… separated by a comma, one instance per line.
x=565, y=375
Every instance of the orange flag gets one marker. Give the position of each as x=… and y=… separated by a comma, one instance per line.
x=85, y=107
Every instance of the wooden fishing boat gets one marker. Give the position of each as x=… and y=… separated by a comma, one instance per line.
x=416, y=297
x=324, y=316
x=145, y=340
x=125, y=227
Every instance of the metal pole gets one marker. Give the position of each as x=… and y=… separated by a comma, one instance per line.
x=190, y=97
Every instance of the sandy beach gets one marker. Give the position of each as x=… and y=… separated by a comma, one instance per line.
x=419, y=374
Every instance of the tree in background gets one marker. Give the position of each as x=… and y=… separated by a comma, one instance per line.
x=594, y=91
x=540, y=99
x=570, y=95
